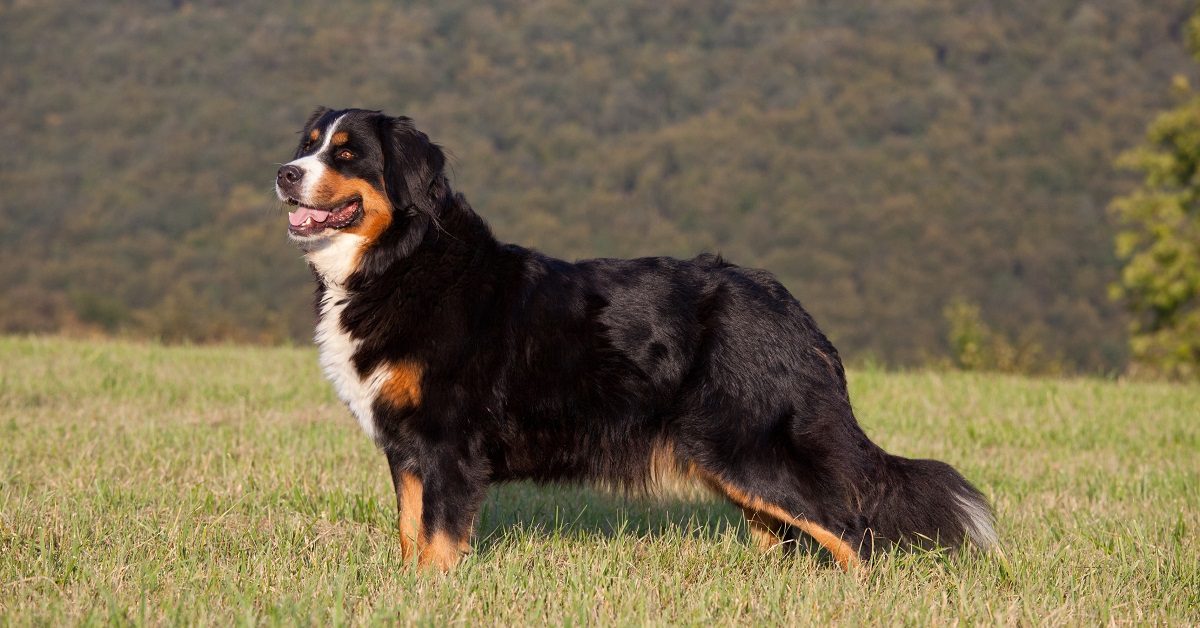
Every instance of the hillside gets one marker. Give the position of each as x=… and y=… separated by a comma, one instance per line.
x=883, y=158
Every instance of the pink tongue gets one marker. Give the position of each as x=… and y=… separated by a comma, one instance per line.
x=298, y=217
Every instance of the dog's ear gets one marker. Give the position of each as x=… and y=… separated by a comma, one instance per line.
x=316, y=115
x=413, y=168
x=416, y=186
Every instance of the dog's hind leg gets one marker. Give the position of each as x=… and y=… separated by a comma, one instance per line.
x=772, y=519
x=766, y=532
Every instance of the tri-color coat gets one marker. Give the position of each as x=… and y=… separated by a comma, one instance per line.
x=470, y=362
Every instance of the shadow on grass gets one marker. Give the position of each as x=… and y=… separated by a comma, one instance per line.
x=581, y=511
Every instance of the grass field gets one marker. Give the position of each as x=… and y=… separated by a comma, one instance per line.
x=141, y=483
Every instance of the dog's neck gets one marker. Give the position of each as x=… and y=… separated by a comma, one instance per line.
x=447, y=246
x=334, y=260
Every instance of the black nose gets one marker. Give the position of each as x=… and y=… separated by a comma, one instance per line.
x=289, y=174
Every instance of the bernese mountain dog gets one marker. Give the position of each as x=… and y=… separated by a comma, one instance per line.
x=470, y=362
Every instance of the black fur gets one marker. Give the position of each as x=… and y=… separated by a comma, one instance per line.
x=538, y=368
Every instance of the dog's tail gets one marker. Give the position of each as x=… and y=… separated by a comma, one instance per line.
x=927, y=503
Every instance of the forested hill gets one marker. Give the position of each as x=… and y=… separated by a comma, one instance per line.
x=883, y=158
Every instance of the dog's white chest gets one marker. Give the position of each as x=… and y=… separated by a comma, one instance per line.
x=337, y=350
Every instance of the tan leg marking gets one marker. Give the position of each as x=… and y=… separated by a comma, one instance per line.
x=442, y=551
x=666, y=470
x=409, y=495
x=437, y=550
x=842, y=552
x=765, y=531
x=766, y=520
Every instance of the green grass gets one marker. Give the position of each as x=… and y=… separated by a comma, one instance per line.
x=227, y=485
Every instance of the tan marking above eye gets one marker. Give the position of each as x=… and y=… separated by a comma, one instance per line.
x=316, y=133
x=341, y=137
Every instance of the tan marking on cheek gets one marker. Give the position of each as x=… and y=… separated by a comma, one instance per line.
x=408, y=493
x=845, y=555
x=403, y=386
x=334, y=188
x=377, y=209
x=341, y=137
x=377, y=214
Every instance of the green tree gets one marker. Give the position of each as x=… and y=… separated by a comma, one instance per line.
x=1160, y=238
x=975, y=346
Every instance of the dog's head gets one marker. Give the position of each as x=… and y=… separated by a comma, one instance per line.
x=360, y=179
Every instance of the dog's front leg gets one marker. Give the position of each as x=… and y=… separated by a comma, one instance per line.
x=437, y=504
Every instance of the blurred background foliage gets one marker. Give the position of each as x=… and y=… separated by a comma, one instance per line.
x=1160, y=241
x=920, y=173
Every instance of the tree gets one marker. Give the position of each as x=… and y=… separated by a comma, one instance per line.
x=975, y=346
x=1160, y=238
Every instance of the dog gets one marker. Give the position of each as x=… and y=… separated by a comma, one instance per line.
x=471, y=362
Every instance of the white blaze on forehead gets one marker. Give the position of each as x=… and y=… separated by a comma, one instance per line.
x=311, y=164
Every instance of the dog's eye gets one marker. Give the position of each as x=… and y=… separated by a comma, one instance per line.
x=345, y=154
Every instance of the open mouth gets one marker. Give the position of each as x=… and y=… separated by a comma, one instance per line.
x=307, y=221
